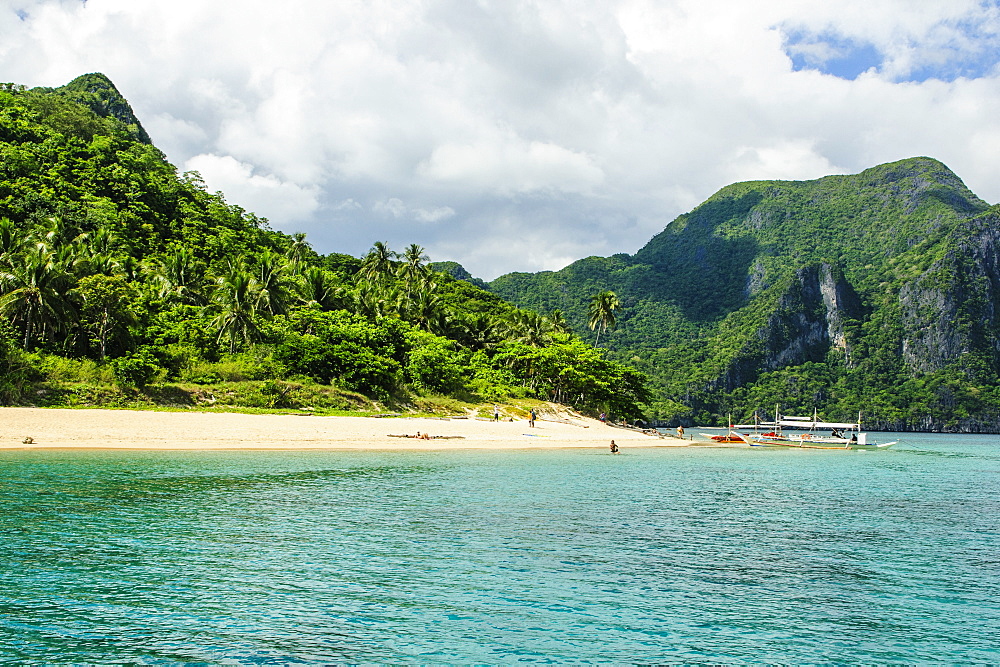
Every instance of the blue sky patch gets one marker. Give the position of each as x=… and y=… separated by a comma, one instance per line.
x=831, y=54
x=969, y=50
x=973, y=66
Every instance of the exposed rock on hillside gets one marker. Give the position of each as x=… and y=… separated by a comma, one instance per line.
x=806, y=323
x=882, y=278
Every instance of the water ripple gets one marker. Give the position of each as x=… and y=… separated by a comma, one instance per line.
x=700, y=555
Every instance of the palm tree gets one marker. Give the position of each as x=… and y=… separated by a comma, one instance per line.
x=427, y=309
x=34, y=295
x=272, y=279
x=378, y=262
x=12, y=242
x=530, y=328
x=102, y=263
x=98, y=242
x=601, y=313
x=479, y=331
x=413, y=268
x=376, y=300
x=180, y=277
x=236, y=303
x=317, y=287
x=297, y=251
x=73, y=257
x=56, y=233
x=558, y=322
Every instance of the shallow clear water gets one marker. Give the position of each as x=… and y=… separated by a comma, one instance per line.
x=676, y=555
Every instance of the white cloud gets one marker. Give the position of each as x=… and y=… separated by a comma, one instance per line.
x=434, y=215
x=283, y=203
x=512, y=166
x=786, y=160
x=393, y=207
x=520, y=134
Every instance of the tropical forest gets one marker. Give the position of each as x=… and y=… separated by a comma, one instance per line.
x=126, y=284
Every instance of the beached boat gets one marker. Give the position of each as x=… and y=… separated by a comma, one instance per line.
x=722, y=439
x=729, y=438
x=805, y=432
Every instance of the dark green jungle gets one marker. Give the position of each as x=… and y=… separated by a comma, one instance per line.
x=124, y=283
x=877, y=292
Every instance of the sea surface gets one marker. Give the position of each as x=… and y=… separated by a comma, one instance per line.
x=695, y=555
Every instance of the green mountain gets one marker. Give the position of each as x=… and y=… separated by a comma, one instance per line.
x=123, y=282
x=877, y=292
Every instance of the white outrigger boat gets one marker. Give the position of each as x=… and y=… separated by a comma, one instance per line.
x=774, y=434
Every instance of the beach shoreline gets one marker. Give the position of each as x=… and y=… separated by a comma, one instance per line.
x=60, y=428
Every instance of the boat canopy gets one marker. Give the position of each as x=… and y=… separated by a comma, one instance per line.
x=811, y=423
x=798, y=423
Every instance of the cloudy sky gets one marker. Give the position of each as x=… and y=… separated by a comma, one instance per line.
x=524, y=134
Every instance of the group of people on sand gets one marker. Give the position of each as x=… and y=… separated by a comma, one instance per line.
x=532, y=415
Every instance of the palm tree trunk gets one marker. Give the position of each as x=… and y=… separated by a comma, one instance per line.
x=27, y=327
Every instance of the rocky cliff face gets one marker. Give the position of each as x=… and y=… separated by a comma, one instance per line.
x=890, y=276
x=806, y=323
x=951, y=309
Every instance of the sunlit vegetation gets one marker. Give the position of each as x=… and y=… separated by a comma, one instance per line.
x=712, y=307
x=122, y=280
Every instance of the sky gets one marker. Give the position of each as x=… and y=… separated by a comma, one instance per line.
x=521, y=135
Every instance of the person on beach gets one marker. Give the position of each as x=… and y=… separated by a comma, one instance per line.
x=614, y=447
x=531, y=418
x=680, y=432
x=496, y=413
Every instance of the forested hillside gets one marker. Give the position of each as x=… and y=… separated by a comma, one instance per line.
x=875, y=292
x=125, y=283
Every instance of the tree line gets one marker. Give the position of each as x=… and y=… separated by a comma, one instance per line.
x=115, y=268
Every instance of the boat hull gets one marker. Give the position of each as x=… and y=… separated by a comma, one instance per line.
x=730, y=439
x=810, y=443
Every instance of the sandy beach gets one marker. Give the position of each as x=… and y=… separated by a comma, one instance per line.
x=131, y=429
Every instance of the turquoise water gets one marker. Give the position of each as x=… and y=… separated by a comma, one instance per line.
x=680, y=555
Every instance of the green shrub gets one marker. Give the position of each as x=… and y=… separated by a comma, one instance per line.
x=135, y=370
x=351, y=364
x=432, y=363
x=16, y=373
x=60, y=370
x=245, y=367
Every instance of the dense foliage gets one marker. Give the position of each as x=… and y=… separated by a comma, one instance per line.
x=115, y=270
x=711, y=308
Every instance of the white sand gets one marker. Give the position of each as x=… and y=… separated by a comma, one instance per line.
x=131, y=429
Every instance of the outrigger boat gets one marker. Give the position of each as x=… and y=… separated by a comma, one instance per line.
x=842, y=435
x=723, y=439
x=730, y=437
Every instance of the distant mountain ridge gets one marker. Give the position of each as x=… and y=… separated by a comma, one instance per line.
x=877, y=291
x=855, y=285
